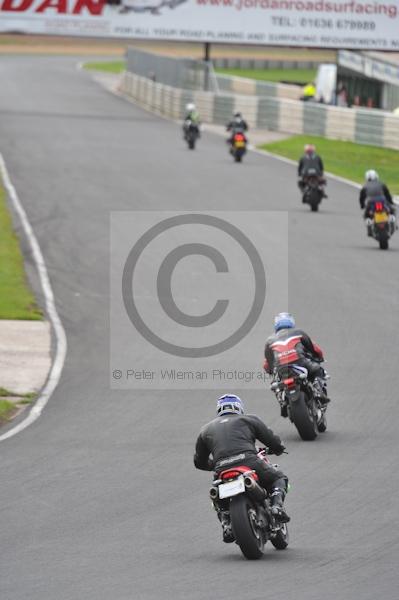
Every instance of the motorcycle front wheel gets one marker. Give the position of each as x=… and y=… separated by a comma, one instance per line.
x=243, y=521
x=281, y=539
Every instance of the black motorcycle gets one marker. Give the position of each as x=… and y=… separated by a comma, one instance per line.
x=191, y=133
x=381, y=224
x=299, y=400
x=312, y=189
x=244, y=510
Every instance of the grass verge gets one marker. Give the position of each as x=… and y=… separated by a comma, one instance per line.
x=28, y=397
x=344, y=158
x=117, y=66
x=301, y=76
x=16, y=298
x=6, y=410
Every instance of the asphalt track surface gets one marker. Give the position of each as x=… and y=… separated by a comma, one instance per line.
x=99, y=498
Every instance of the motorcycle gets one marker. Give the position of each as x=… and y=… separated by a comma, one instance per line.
x=312, y=189
x=381, y=225
x=244, y=510
x=191, y=133
x=238, y=146
x=299, y=400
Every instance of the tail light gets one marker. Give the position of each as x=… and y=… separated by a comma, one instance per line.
x=379, y=206
x=231, y=474
x=289, y=382
x=239, y=137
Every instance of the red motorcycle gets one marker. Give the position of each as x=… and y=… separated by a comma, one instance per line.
x=243, y=507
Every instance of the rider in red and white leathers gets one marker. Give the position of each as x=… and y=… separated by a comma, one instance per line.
x=289, y=345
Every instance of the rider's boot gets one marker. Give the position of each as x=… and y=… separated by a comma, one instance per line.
x=277, y=500
x=320, y=387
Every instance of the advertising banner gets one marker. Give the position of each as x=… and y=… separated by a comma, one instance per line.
x=362, y=24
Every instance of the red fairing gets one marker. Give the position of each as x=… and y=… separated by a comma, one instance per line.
x=318, y=351
x=286, y=350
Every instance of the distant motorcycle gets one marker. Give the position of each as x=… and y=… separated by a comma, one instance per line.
x=381, y=224
x=238, y=146
x=299, y=400
x=312, y=189
x=244, y=510
x=191, y=133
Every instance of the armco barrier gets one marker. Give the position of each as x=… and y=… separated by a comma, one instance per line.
x=259, y=63
x=252, y=87
x=279, y=114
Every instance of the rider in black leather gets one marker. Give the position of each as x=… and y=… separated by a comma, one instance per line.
x=236, y=125
x=289, y=345
x=310, y=160
x=230, y=440
x=374, y=190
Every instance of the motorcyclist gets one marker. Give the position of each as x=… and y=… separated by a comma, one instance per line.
x=191, y=118
x=310, y=160
x=373, y=191
x=230, y=440
x=236, y=125
x=289, y=345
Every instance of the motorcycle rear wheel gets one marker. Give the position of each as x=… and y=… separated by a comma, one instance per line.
x=247, y=535
x=303, y=418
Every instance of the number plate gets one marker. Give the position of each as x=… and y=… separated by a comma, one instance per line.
x=381, y=217
x=239, y=144
x=232, y=488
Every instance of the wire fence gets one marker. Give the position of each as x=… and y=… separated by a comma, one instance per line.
x=182, y=73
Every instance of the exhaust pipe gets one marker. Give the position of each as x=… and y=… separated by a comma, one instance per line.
x=254, y=489
x=214, y=493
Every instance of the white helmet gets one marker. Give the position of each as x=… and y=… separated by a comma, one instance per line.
x=371, y=175
x=190, y=107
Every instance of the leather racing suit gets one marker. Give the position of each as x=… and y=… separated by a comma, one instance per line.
x=294, y=346
x=372, y=192
x=230, y=440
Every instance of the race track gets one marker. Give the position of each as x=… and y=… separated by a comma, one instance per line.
x=99, y=498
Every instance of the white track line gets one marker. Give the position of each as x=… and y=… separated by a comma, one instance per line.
x=60, y=337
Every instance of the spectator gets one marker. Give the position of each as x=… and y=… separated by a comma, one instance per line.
x=342, y=95
x=308, y=92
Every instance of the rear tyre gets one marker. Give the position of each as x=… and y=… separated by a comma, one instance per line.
x=281, y=539
x=238, y=157
x=304, y=419
x=247, y=534
x=314, y=207
x=191, y=144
